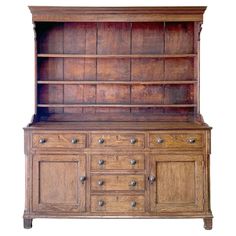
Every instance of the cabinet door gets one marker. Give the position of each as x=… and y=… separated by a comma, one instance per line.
x=56, y=183
x=178, y=183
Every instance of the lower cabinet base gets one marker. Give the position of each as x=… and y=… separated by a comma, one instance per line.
x=118, y=174
x=207, y=219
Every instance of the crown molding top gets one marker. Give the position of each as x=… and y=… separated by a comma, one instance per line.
x=116, y=14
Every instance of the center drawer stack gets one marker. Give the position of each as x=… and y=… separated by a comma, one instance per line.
x=117, y=166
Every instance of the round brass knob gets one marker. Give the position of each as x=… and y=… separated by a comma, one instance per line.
x=101, y=162
x=42, y=140
x=74, y=140
x=151, y=179
x=160, y=140
x=133, y=183
x=192, y=140
x=100, y=182
x=101, y=140
x=133, y=140
x=133, y=162
x=133, y=204
x=82, y=179
x=101, y=203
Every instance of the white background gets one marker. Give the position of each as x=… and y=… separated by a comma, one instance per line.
x=218, y=97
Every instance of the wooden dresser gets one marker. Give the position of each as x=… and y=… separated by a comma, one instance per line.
x=117, y=130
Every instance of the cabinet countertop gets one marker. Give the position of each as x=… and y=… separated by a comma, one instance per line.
x=118, y=126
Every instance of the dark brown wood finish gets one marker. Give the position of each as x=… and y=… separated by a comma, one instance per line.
x=94, y=68
x=116, y=14
x=117, y=131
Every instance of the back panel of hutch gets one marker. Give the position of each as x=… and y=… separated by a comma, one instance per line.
x=117, y=130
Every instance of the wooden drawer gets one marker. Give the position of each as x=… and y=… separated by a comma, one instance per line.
x=105, y=140
x=117, y=162
x=120, y=203
x=52, y=140
x=117, y=182
x=176, y=140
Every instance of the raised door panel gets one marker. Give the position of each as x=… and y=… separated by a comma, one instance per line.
x=178, y=185
x=56, y=183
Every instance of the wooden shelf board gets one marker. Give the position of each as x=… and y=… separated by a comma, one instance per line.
x=117, y=105
x=116, y=56
x=117, y=82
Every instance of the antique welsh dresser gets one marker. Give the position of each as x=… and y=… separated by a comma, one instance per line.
x=117, y=130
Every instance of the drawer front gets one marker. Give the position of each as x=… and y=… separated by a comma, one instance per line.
x=117, y=182
x=117, y=162
x=108, y=203
x=132, y=140
x=59, y=140
x=175, y=140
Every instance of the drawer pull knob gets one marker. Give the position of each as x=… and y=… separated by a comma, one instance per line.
x=100, y=182
x=160, y=140
x=133, y=204
x=151, y=179
x=101, y=162
x=82, y=179
x=101, y=140
x=133, y=140
x=74, y=140
x=192, y=140
x=101, y=203
x=42, y=140
x=133, y=183
x=133, y=162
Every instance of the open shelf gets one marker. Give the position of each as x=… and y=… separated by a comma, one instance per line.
x=116, y=70
x=117, y=105
x=116, y=55
x=118, y=82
